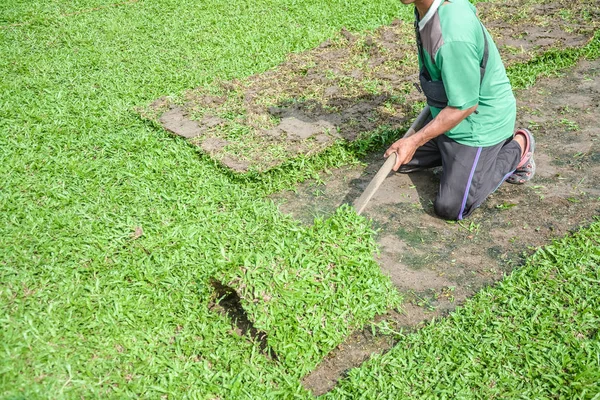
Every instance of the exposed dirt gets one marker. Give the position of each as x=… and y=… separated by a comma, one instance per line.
x=347, y=87
x=175, y=120
x=437, y=265
x=526, y=26
x=228, y=303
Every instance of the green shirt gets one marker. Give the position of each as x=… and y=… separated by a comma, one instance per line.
x=452, y=36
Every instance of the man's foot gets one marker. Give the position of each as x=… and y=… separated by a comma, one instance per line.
x=526, y=168
x=407, y=169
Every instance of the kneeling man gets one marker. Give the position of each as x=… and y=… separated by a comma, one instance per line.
x=471, y=134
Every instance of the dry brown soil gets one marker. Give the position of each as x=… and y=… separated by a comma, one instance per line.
x=437, y=265
x=346, y=87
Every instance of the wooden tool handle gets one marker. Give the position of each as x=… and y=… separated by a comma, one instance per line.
x=384, y=171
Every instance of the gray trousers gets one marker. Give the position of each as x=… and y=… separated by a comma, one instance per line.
x=469, y=174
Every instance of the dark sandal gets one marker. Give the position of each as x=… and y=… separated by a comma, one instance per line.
x=526, y=169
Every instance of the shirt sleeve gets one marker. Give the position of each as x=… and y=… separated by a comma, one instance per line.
x=460, y=67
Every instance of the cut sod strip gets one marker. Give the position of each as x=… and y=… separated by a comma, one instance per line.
x=307, y=295
x=345, y=88
x=533, y=336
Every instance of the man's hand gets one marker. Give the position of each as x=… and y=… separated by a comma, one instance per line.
x=447, y=119
x=405, y=150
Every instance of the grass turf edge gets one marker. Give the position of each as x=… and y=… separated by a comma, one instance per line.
x=534, y=335
x=310, y=296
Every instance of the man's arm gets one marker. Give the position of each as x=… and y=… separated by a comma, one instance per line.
x=447, y=119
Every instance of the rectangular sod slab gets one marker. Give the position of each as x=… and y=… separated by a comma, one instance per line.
x=307, y=295
x=341, y=90
x=345, y=88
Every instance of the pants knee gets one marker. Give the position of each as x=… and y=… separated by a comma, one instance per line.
x=448, y=209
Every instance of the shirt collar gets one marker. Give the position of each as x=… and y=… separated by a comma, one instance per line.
x=432, y=10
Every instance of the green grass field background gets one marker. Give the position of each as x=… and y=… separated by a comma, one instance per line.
x=111, y=229
x=88, y=310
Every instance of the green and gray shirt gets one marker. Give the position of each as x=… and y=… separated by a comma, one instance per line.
x=453, y=47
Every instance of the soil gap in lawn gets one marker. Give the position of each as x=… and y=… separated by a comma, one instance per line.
x=228, y=303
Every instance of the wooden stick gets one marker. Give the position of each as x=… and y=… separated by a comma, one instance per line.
x=384, y=171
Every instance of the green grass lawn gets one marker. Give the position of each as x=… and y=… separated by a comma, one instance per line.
x=111, y=229
x=88, y=306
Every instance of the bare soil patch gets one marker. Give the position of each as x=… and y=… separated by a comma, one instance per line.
x=436, y=264
x=347, y=87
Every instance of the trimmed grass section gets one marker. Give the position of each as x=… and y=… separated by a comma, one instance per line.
x=535, y=335
x=304, y=293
